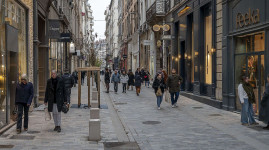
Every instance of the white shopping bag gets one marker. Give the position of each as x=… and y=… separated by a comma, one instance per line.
x=47, y=114
x=167, y=96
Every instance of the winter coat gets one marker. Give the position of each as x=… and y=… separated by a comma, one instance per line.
x=172, y=83
x=115, y=78
x=158, y=83
x=138, y=80
x=60, y=94
x=124, y=78
x=75, y=76
x=264, y=109
x=131, y=79
x=24, y=93
x=68, y=80
x=146, y=76
x=107, y=77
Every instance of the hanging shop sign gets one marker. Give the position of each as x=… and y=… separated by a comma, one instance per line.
x=167, y=37
x=160, y=7
x=78, y=52
x=72, y=47
x=65, y=37
x=249, y=18
x=124, y=56
x=147, y=42
x=54, y=29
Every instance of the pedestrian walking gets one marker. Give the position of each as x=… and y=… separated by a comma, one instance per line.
x=124, y=80
x=131, y=80
x=115, y=79
x=107, y=79
x=83, y=73
x=173, y=83
x=68, y=83
x=55, y=98
x=138, y=72
x=264, y=109
x=159, y=87
x=75, y=76
x=146, y=78
x=138, y=81
x=23, y=100
x=247, y=98
x=165, y=76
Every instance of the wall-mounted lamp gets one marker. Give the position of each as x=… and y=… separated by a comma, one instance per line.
x=196, y=53
x=213, y=50
x=179, y=56
x=186, y=56
x=189, y=57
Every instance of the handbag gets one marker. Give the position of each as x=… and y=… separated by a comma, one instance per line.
x=65, y=109
x=47, y=114
x=15, y=113
x=159, y=92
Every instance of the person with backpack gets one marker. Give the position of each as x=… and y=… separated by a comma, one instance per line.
x=159, y=87
x=124, y=79
x=68, y=83
x=115, y=79
x=138, y=82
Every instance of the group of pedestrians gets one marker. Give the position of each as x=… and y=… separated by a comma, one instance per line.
x=172, y=84
x=57, y=97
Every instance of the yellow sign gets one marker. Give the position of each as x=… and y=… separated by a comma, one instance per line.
x=159, y=43
x=249, y=18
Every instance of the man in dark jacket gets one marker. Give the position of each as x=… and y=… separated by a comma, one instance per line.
x=68, y=82
x=107, y=79
x=55, y=97
x=264, y=109
x=173, y=83
x=75, y=76
x=23, y=99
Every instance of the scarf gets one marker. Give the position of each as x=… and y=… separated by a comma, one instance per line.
x=249, y=90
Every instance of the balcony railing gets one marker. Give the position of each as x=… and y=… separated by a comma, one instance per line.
x=158, y=10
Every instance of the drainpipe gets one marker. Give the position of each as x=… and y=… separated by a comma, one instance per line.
x=35, y=52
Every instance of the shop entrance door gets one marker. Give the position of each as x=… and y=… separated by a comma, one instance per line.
x=12, y=64
x=255, y=72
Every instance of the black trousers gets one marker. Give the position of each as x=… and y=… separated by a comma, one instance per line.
x=124, y=87
x=22, y=109
x=116, y=86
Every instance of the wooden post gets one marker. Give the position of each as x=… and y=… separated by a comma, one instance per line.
x=79, y=88
x=98, y=82
x=89, y=89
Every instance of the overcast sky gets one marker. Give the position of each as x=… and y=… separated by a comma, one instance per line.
x=98, y=8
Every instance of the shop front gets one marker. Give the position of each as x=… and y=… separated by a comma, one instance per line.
x=13, y=53
x=246, y=49
x=193, y=50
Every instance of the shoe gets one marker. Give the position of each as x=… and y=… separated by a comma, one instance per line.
x=244, y=124
x=59, y=129
x=137, y=94
x=266, y=128
x=255, y=123
x=159, y=108
x=173, y=106
x=18, y=131
x=25, y=129
x=56, y=128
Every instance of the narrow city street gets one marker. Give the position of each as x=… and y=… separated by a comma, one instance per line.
x=129, y=121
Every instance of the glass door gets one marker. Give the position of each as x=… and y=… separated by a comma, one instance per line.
x=255, y=72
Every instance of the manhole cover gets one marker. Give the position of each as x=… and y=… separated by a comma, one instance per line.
x=6, y=146
x=197, y=107
x=121, y=146
x=23, y=137
x=215, y=115
x=33, y=132
x=120, y=103
x=151, y=122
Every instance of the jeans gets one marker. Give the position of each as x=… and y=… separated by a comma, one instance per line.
x=22, y=108
x=56, y=115
x=174, y=97
x=116, y=86
x=147, y=83
x=124, y=87
x=247, y=113
x=159, y=100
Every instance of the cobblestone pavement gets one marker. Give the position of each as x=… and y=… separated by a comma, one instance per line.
x=75, y=129
x=192, y=125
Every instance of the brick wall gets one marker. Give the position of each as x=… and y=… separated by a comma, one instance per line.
x=219, y=50
x=29, y=4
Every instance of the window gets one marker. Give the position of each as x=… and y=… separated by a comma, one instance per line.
x=208, y=45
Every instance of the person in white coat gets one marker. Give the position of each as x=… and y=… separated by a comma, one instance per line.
x=124, y=80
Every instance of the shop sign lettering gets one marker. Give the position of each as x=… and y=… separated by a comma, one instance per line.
x=249, y=18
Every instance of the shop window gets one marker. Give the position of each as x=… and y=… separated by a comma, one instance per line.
x=208, y=46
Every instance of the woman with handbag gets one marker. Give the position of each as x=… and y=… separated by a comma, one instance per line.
x=159, y=87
